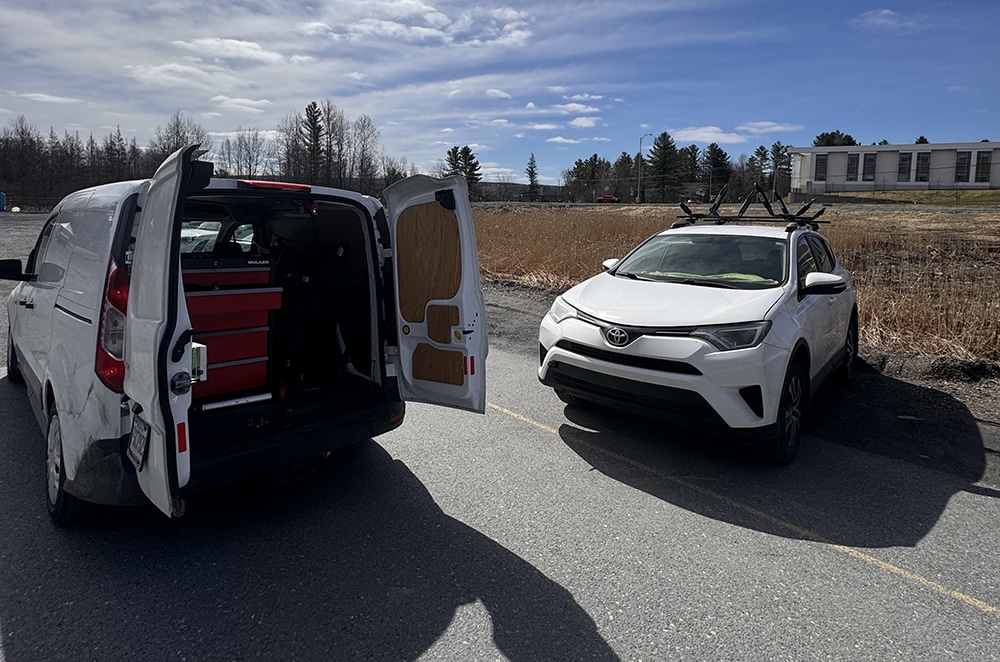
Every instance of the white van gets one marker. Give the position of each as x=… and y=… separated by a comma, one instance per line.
x=185, y=332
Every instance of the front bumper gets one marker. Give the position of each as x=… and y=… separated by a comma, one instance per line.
x=680, y=377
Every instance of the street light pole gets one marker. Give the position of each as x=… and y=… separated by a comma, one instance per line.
x=638, y=186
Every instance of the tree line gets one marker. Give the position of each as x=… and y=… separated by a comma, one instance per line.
x=669, y=174
x=320, y=146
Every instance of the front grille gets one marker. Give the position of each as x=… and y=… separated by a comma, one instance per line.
x=661, y=365
x=662, y=399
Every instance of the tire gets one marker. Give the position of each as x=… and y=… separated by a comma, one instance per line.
x=844, y=374
x=784, y=446
x=64, y=508
x=14, y=375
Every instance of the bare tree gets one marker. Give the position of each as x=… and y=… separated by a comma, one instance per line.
x=179, y=132
x=364, y=161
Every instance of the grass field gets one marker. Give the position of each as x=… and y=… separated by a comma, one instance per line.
x=928, y=278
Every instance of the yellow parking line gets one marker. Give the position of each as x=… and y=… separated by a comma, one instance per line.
x=797, y=530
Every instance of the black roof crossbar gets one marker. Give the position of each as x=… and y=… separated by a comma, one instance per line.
x=796, y=220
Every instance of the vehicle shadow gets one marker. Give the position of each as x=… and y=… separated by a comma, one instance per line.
x=354, y=561
x=830, y=493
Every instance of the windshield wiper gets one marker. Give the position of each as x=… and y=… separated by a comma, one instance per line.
x=629, y=274
x=705, y=282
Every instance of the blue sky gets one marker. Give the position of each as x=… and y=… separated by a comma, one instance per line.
x=561, y=79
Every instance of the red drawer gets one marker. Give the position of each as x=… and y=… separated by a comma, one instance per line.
x=229, y=310
x=227, y=378
x=224, y=347
x=226, y=277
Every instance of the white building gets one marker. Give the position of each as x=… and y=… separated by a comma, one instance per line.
x=895, y=167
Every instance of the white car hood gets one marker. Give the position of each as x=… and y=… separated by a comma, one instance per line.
x=661, y=304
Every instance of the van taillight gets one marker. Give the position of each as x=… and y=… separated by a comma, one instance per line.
x=110, y=362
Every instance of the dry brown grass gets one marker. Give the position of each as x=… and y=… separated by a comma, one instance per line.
x=928, y=280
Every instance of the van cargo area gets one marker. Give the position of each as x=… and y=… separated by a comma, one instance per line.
x=282, y=290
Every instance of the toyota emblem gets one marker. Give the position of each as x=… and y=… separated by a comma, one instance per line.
x=617, y=337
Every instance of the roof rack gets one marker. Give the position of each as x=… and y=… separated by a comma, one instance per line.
x=794, y=221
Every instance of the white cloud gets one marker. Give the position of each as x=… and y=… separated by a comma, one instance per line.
x=886, y=19
x=567, y=141
x=557, y=89
x=314, y=28
x=573, y=108
x=356, y=75
x=585, y=122
x=230, y=49
x=174, y=75
x=585, y=97
x=244, y=105
x=705, y=134
x=447, y=129
x=767, y=127
x=601, y=140
x=45, y=98
x=497, y=94
x=543, y=127
x=499, y=122
x=530, y=105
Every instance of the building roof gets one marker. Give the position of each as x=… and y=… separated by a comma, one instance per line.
x=895, y=148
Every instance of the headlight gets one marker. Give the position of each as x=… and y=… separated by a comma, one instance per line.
x=561, y=310
x=734, y=336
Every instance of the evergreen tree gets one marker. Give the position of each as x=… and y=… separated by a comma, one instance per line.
x=716, y=169
x=833, y=139
x=534, y=191
x=781, y=168
x=463, y=161
x=312, y=134
x=661, y=180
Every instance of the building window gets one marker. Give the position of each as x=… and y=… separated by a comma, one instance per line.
x=868, y=174
x=962, y=163
x=903, y=173
x=983, y=166
x=923, y=166
x=821, y=167
x=852, y=167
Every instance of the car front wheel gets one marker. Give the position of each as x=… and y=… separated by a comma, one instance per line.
x=14, y=375
x=64, y=508
x=784, y=446
x=845, y=371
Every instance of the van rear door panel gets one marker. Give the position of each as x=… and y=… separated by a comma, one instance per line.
x=158, y=339
x=440, y=311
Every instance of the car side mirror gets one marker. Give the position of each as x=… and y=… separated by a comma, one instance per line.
x=820, y=282
x=609, y=264
x=11, y=270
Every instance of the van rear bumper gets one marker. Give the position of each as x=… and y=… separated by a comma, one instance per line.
x=300, y=445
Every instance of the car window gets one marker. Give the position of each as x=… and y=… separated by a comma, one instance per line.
x=824, y=256
x=702, y=259
x=805, y=259
x=37, y=255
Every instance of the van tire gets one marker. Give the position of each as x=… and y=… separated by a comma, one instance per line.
x=14, y=375
x=64, y=508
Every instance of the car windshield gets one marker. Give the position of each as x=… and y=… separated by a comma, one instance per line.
x=733, y=261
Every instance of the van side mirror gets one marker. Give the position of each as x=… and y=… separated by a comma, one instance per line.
x=11, y=270
x=609, y=264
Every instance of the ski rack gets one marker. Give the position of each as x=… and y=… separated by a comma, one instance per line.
x=794, y=221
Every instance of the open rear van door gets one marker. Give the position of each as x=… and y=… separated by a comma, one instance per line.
x=158, y=335
x=440, y=310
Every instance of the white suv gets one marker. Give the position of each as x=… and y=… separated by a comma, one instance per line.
x=184, y=332
x=714, y=324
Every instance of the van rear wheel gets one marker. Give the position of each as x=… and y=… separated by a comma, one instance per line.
x=14, y=375
x=64, y=508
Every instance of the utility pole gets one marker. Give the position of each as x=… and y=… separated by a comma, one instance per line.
x=638, y=186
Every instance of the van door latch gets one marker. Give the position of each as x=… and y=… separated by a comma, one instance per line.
x=180, y=383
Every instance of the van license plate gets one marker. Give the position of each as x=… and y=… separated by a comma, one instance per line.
x=138, y=442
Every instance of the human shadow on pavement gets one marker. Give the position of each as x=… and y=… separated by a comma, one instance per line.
x=830, y=493
x=353, y=562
